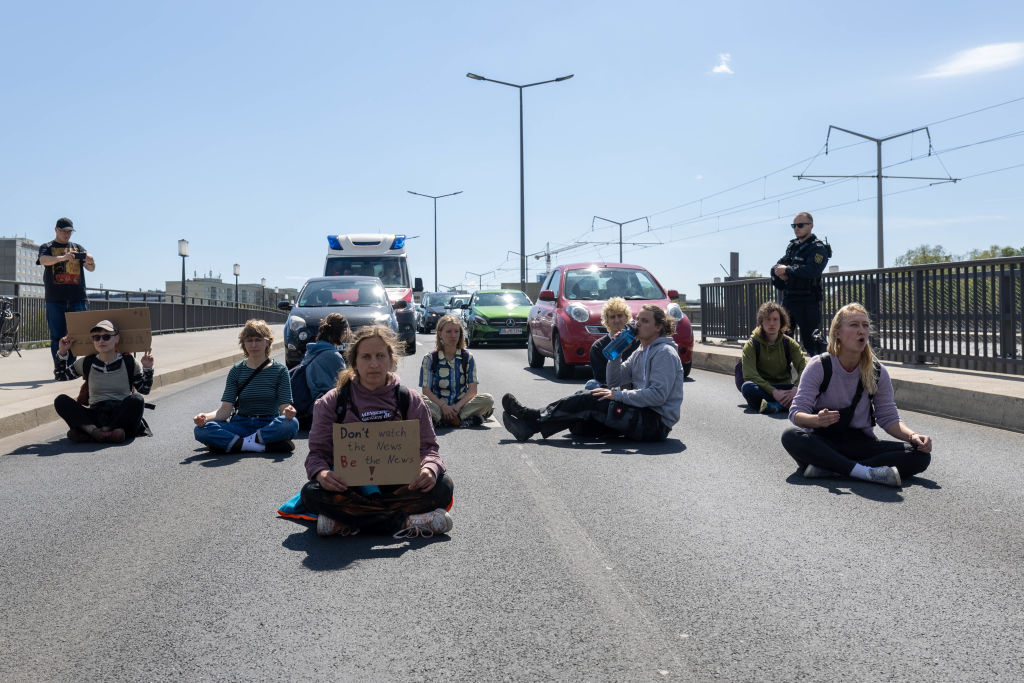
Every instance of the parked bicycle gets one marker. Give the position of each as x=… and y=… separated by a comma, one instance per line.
x=10, y=324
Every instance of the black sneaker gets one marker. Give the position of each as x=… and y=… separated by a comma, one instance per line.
x=286, y=446
x=511, y=404
x=474, y=420
x=522, y=430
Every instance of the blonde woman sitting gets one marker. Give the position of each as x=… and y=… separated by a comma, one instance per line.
x=449, y=381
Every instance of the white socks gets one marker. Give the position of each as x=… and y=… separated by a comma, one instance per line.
x=859, y=471
x=250, y=444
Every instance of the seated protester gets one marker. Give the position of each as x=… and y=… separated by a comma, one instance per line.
x=841, y=395
x=369, y=391
x=614, y=317
x=322, y=363
x=644, y=406
x=116, y=384
x=448, y=379
x=767, y=358
x=256, y=412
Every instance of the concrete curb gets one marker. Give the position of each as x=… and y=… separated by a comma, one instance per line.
x=988, y=406
x=40, y=415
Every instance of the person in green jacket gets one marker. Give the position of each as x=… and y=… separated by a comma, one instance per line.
x=768, y=357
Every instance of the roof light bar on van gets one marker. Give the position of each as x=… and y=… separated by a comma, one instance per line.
x=399, y=242
x=333, y=242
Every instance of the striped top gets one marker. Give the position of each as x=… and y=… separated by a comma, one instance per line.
x=265, y=393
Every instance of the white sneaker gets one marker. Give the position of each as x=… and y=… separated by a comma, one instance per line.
x=815, y=472
x=889, y=476
x=325, y=526
x=426, y=524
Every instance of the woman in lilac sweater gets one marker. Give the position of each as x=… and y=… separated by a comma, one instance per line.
x=373, y=395
x=834, y=433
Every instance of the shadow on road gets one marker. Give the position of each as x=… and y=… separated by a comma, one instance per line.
x=842, y=486
x=334, y=553
x=62, y=446
x=609, y=446
x=208, y=458
x=548, y=375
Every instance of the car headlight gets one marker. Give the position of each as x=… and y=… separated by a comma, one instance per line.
x=479, y=320
x=673, y=311
x=579, y=313
x=295, y=323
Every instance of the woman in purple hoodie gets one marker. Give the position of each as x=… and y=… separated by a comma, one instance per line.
x=842, y=394
x=370, y=392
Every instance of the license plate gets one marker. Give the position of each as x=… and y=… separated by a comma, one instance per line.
x=511, y=330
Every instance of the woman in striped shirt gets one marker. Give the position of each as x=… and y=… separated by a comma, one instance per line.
x=256, y=412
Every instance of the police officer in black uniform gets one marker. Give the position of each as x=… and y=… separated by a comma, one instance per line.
x=798, y=275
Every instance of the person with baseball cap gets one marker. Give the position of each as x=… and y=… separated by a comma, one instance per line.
x=116, y=385
x=64, y=263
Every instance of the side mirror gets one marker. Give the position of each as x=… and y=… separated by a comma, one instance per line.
x=400, y=304
x=464, y=306
x=546, y=295
x=284, y=305
x=417, y=285
x=673, y=294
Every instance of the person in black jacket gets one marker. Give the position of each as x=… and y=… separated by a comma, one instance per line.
x=798, y=275
x=614, y=316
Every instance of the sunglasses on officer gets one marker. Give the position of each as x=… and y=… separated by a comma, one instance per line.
x=799, y=225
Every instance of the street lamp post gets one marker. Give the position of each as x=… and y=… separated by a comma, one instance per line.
x=522, y=172
x=480, y=283
x=183, y=253
x=238, y=270
x=263, y=292
x=435, y=198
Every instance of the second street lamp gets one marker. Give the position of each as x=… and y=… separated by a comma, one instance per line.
x=522, y=172
x=237, y=269
x=435, y=198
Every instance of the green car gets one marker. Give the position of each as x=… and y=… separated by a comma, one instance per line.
x=497, y=315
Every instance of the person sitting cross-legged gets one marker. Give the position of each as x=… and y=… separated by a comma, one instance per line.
x=449, y=382
x=116, y=385
x=841, y=396
x=768, y=359
x=256, y=412
x=369, y=391
x=643, y=406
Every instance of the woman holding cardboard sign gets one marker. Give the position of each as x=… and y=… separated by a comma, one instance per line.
x=369, y=391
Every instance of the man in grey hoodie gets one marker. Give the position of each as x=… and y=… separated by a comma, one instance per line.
x=643, y=405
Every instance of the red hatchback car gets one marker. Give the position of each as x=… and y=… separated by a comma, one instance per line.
x=566, y=320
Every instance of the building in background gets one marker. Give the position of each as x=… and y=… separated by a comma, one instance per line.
x=215, y=289
x=18, y=264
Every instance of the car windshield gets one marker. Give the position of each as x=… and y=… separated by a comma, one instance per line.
x=458, y=301
x=502, y=299
x=598, y=284
x=435, y=300
x=391, y=270
x=350, y=293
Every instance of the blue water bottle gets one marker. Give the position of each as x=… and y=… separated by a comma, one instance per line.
x=621, y=342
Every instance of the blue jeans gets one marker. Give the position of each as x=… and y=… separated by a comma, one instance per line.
x=221, y=436
x=754, y=394
x=55, y=311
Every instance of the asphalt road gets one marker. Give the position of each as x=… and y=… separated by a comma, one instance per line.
x=703, y=558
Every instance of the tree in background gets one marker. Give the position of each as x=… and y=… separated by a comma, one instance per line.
x=995, y=251
x=924, y=254
x=752, y=274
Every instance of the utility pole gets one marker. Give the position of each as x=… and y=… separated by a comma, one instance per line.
x=634, y=220
x=878, y=175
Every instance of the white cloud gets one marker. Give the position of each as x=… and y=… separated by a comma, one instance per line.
x=700, y=176
x=984, y=58
x=723, y=64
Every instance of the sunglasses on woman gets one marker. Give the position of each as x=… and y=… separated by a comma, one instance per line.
x=101, y=337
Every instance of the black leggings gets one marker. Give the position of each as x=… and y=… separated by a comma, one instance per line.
x=841, y=452
x=385, y=512
x=585, y=415
x=127, y=415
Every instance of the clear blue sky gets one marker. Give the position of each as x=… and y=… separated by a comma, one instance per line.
x=254, y=129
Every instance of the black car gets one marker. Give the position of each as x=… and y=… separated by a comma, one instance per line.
x=430, y=310
x=362, y=300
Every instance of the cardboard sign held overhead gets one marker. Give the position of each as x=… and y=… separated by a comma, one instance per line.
x=377, y=452
x=132, y=324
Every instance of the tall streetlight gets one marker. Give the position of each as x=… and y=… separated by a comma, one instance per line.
x=480, y=284
x=183, y=253
x=263, y=292
x=238, y=270
x=435, y=198
x=522, y=184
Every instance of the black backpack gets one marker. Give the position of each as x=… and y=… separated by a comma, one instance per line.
x=345, y=398
x=302, y=397
x=738, y=371
x=90, y=360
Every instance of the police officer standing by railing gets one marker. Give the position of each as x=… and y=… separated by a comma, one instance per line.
x=798, y=275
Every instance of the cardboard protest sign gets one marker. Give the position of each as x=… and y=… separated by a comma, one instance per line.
x=132, y=324
x=377, y=452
